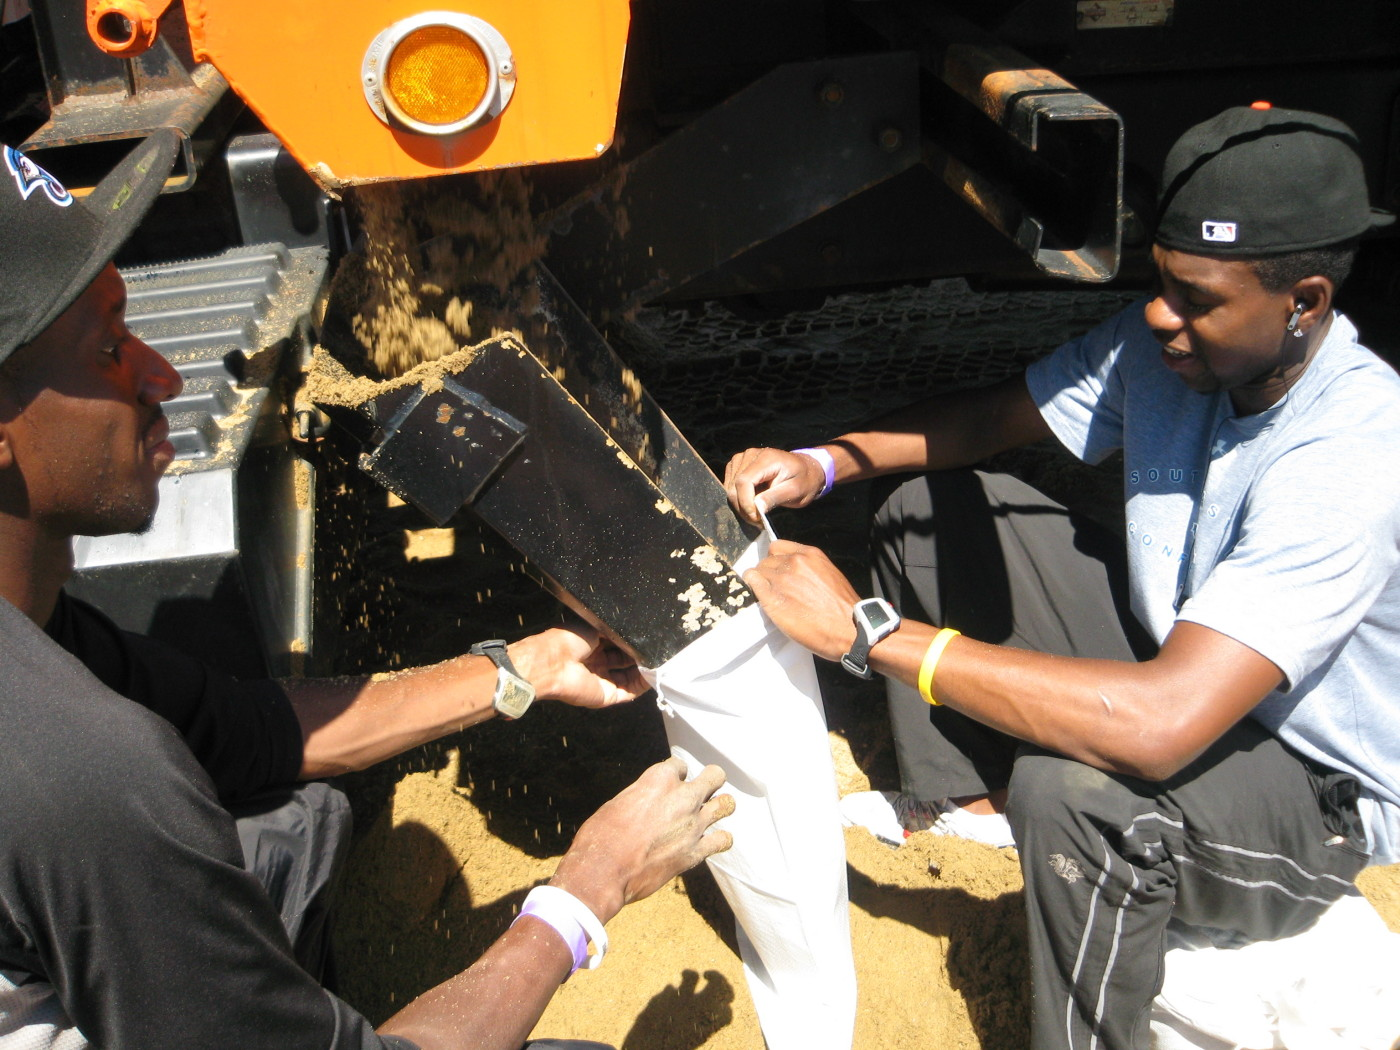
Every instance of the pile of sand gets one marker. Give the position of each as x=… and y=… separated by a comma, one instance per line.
x=442, y=868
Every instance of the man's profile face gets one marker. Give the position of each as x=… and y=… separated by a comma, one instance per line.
x=81, y=407
x=1220, y=329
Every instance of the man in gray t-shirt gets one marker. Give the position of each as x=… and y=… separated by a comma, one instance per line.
x=1205, y=728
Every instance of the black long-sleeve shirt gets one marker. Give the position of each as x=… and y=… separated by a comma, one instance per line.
x=125, y=909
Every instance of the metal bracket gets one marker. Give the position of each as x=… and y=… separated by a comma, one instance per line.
x=438, y=450
x=1031, y=153
x=100, y=105
x=274, y=198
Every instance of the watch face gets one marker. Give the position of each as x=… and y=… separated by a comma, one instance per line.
x=876, y=616
x=513, y=696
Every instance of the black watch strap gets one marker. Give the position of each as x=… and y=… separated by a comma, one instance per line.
x=875, y=619
x=495, y=650
x=857, y=660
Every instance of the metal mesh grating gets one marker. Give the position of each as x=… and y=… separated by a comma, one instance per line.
x=730, y=382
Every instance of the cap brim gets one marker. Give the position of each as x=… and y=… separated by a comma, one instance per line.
x=118, y=205
x=1380, y=218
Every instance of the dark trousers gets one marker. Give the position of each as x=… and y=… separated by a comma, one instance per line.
x=1249, y=837
x=295, y=840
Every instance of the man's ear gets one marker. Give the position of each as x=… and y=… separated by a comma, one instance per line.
x=1314, y=295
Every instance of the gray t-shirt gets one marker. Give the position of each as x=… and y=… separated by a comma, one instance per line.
x=1280, y=529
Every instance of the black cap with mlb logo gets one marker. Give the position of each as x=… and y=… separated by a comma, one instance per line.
x=1256, y=180
x=52, y=244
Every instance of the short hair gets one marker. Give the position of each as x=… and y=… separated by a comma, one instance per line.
x=1280, y=272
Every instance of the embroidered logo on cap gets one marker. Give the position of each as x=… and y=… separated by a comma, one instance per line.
x=1220, y=232
x=29, y=177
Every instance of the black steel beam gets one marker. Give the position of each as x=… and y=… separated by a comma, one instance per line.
x=72, y=63
x=907, y=230
x=791, y=145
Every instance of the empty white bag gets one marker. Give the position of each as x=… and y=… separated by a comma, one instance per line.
x=744, y=697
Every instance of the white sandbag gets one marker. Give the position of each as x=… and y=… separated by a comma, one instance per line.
x=1334, y=986
x=746, y=698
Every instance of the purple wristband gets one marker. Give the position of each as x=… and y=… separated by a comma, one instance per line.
x=824, y=460
x=563, y=924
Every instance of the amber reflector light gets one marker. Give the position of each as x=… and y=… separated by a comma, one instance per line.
x=437, y=75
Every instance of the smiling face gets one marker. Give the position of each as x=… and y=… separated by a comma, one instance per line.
x=1221, y=329
x=84, y=437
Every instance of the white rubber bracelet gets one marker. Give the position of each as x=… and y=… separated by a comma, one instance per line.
x=558, y=907
x=562, y=922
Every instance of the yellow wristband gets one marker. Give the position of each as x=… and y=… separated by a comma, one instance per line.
x=930, y=664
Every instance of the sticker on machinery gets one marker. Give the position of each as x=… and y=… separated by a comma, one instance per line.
x=1123, y=14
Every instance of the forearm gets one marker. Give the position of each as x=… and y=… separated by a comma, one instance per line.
x=653, y=830
x=942, y=432
x=349, y=724
x=1109, y=714
x=1095, y=711
x=495, y=1003
x=1146, y=719
x=951, y=430
x=352, y=723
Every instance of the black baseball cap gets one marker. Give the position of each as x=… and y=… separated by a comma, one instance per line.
x=1256, y=180
x=52, y=244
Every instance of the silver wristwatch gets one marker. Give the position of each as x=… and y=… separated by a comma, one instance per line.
x=875, y=619
x=513, y=695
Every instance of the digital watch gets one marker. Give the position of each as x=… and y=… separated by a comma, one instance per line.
x=513, y=695
x=875, y=618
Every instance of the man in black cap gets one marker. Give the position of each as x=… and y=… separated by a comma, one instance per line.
x=1210, y=731
x=126, y=916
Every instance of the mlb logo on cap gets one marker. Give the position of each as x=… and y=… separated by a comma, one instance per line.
x=29, y=177
x=1219, y=232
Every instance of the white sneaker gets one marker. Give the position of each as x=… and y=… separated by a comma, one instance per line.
x=874, y=811
x=992, y=829
x=892, y=817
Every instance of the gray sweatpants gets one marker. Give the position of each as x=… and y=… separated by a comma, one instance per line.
x=1249, y=837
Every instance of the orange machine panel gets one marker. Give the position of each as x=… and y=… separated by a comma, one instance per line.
x=298, y=65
